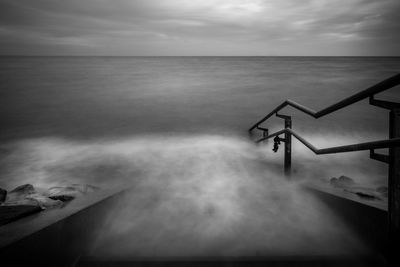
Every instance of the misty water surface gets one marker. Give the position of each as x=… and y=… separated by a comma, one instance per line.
x=176, y=129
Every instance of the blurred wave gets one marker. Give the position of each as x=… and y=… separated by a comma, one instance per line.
x=192, y=195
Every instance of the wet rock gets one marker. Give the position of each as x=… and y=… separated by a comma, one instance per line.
x=383, y=190
x=64, y=193
x=364, y=195
x=342, y=182
x=85, y=188
x=20, y=192
x=26, y=195
x=24, y=189
x=63, y=197
x=3, y=195
x=45, y=202
x=68, y=193
x=363, y=192
x=21, y=202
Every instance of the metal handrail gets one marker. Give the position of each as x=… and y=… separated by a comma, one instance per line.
x=369, y=92
x=393, y=143
x=337, y=149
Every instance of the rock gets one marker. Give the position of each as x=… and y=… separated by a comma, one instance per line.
x=3, y=195
x=68, y=193
x=63, y=197
x=64, y=193
x=383, y=190
x=342, y=182
x=364, y=195
x=26, y=195
x=45, y=202
x=22, y=202
x=333, y=181
x=24, y=189
x=363, y=192
x=85, y=188
x=20, y=192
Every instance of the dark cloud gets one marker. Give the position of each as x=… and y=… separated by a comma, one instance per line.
x=206, y=27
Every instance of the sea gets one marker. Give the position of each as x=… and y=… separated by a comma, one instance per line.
x=110, y=98
x=178, y=128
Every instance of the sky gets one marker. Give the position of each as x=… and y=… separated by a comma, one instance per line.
x=200, y=27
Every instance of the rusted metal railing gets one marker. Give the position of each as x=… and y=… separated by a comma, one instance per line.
x=393, y=143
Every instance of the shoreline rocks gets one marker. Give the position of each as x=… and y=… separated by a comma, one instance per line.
x=68, y=193
x=342, y=181
x=347, y=184
x=25, y=200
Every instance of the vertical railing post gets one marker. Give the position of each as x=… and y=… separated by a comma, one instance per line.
x=265, y=134
x=288, y=147
x=288, y=144
x=394, y=190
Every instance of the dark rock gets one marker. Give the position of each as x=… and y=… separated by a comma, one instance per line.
x=21, y=202
x=63, y=198
x=85, y=188
x=24, y=189
x=12, y=213
x=64, y=193
x=25, y=195
x=20, y=192
x=3, y=195
x=383, y=190
x=68, y=193
x=364, y=195
x=333, y=181
x=341, y=182
x=363, y=192
x=45, y=202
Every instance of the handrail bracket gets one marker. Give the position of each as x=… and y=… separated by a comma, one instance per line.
x=383, y=103
x=378, y=157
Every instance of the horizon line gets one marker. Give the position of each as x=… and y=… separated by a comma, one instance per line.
x=372, y=56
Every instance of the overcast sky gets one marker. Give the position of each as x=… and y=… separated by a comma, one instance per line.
x=200, y=27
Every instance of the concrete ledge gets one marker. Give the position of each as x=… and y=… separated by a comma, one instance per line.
x=56, y=237
x=61, y=237
x=339, y=192
x=368, y=261
x=367, y=218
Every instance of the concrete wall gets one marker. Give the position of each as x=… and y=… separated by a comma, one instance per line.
x=62, y=237
x=56, y=237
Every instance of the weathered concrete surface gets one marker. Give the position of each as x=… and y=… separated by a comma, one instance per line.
x=306, y=261
x=11, y=213
x=369, y=219
x=56, y=237
x=62, y=237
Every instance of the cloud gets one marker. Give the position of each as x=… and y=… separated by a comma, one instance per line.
x=207, y=27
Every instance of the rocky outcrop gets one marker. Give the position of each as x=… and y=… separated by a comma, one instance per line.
x=347, y=184
x=383, y=190
x=20, y=192
x=342, y=182
x=365, y=193
x=68, y=193
x=26, y=195
x=25, y=200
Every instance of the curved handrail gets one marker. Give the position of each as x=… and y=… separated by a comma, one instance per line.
x=337, y=149
x=377, y=88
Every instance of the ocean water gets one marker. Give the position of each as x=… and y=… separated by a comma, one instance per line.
x=92, y=97
x=97, y=98
x=176, y=128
